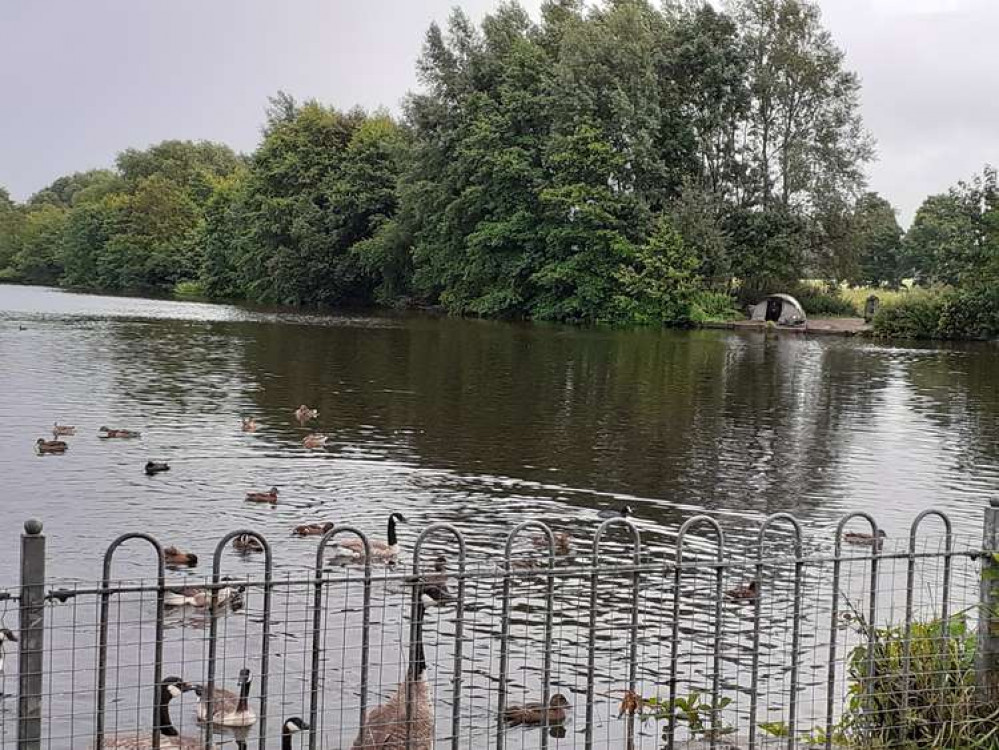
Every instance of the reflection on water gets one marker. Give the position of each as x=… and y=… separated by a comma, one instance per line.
x=482, y=425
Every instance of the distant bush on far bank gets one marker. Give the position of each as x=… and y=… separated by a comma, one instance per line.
x=940, y=313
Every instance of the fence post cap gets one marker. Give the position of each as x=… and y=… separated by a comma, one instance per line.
x=33, y=527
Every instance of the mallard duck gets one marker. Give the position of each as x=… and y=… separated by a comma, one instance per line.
x=533, y=714
x=864, y=540
x=744, y=591
x=62, y=429
x=5, y=636
x=563, y=542
x=50, y=446
x=247, y=543
x=175, y=558
x=249, y=424
x=315, y=440
x=228, y=709
x=106, y=432
x=380, y=550
x=623, y=512
x=170, y=739
x=198, y=597
x=303, y=414
x=313, y=529
x=290, y=727
x=155, y=467
x=271, y=496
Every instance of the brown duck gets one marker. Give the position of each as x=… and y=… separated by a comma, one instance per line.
x=745, y=592
x=50, y=446
x=533, y=714
x=313, y=529
x=270, y=496
x=175, y=558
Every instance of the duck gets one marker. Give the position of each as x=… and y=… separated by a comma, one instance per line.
x=313, y=529
x=170, y=738
x=534, y=714
x=155, y=467
x=249, y=424
x=386, y=726
x=201, y=597
x=434, y=585
x=315, y=440
x=380, y=550
x=271, y=496
x=864, y=540
x=247, y=543
x=62, y=429
x=744, y=592
x=303, y=414
x=175, y=558
x=50, y=446
x=623, y=512
x=563, y=542
x=106, y=432
x=290, y=727
x=228, y=708
x=6, y=636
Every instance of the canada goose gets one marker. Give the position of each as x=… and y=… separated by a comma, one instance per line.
x=200, y=597
x=249, y=424
x=533, y=714
x=315, y=441
x=228, y=708
x=380, y=550
x=563, y=542
x=155, y=467
x=313, y=529
x=744, y=592
x=62, y=429
x=107, y=432
x=175, y=558
x=303, y=414
x=170, y=739
x=247, y=543
x=5, y=635
x=270, y=496
x=50, y=446
x=864, y=540
x=290, y=727
x=623, y=512
x=385, y=727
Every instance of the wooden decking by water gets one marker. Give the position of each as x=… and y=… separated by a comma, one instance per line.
x=822, y=326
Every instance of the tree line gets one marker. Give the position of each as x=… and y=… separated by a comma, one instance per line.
x=619, y=163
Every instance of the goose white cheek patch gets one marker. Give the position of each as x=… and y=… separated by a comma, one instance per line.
x=175, y=691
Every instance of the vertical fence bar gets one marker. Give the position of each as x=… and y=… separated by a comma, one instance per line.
x=987, y=659
x=32, y=637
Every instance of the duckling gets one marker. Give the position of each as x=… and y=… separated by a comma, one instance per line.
x=386, y=551
x=106, y=432
x=271, y=496
x=175, y=558
x=313, y=529
x=315, y=440
x=744, y=592
x=563, y=542
x=303, y=414
x=50, y=446
x=623, y=512
x=199, y=597
x=249, y=424
x=228, y=708
x=247, y=543
x=865, y=540
x=155, y=467
x=534, y=714
x=62, y=429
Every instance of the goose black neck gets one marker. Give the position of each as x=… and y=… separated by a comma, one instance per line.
x=392, y=538
x=285, y=738
x=166, y=726
x=419, y=659
x=244, y=694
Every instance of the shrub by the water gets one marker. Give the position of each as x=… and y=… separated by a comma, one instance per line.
x=713, y=306
x=189, y=289
x=942, y=313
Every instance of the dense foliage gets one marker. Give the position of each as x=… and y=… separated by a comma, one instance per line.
x=616, y=163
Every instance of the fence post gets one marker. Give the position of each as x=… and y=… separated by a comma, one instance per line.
x=988, y=618
x=30, y=646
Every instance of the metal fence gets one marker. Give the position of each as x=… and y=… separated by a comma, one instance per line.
x=598, y=643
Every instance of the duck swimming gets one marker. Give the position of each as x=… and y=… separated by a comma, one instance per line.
x=247, y=543
x=271, y=496
x=315, y=440
x=533, y=714
x=50, y=446
x=744, y=592
x=303, y=414
x=249, y=424
x=106, y=432
x=199, y=597
x=313, y=529
x=176, y=559
x=62, y=429
x=864, y=540
x=623, y=512
x=155, y=467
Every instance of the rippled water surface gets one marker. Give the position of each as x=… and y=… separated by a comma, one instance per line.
x=479, y=424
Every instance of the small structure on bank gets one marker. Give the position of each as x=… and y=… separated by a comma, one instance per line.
x=871, y=308
x=781, y=309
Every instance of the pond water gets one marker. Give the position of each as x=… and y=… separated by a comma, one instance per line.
x=479, y=424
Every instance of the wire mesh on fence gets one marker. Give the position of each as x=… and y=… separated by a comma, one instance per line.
x=601, y=643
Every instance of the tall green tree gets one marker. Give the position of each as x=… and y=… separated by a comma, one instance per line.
x=11, y=223
x=878, y=243
x=39, y=256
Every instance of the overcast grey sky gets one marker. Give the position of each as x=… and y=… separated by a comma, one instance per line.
x=80, y=81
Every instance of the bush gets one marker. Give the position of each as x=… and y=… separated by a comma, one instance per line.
x=712, y=306
x=940, y=313
x=823, y=301
x=915, y=316
x=189, y=289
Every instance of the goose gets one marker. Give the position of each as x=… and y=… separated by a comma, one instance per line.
x=51, y=446
x=864, y=540
x=247, y=543
x=270, y=496
x=563, y=542
x=315, y=440
x=313, y=529
x=249, y=424
x=228, y=708
x=623, y=512
x=291, y=726
x=380, y=550
x=62, y=429
x=5, y=636
x=744, y=592
x=107, y=432
x=200, y=597
x=170, y=739
x=385, y=727
x=533, y=714
x=175, y=558
x=303, y=414
x=155, y=467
